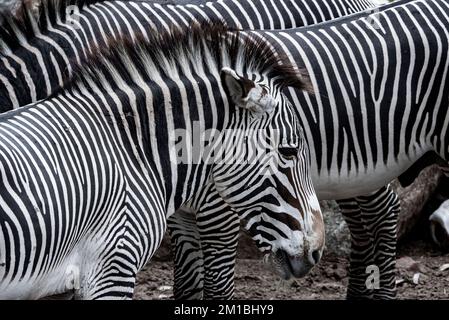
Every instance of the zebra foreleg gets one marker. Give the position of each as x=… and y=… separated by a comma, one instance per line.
x=188, y=255
x=113, y=279
x=119, y=286
x=361, y=254
x=109, y=264
x=220, y=248
x=380, y=216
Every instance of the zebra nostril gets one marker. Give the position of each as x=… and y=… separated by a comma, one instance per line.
x=316, y=256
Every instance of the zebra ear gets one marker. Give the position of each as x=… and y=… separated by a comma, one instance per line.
x=246, y=93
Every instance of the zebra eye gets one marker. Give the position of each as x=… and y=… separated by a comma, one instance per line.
x=289, y=152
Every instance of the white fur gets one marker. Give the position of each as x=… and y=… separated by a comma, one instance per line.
x=257, y=100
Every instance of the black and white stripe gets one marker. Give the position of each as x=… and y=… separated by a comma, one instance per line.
x=214, y=270
x=33, y=68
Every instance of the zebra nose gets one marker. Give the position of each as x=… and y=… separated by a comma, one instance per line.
x=316, y=256
x=297, y=266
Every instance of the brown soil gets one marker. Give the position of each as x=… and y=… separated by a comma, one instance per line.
x=327, y=281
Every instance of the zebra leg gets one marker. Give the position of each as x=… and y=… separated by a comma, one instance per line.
x=116, y=283
x=188, y=254
x=108, y=269
x=380, y=216
x=219, y=238
x=361, y=256
x=112, y=277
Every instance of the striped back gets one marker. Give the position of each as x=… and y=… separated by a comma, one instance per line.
x=35, y=56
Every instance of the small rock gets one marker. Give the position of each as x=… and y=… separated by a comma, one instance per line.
x=165, y=288
x=339, y=274
x=416, y=278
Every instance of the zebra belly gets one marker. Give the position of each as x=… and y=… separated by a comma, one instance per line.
x=337, y=184
x=70, y=276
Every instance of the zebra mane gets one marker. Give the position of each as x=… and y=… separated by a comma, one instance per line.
x=171, y=54
x=33, y=17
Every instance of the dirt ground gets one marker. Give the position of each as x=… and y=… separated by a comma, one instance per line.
x=327, y=281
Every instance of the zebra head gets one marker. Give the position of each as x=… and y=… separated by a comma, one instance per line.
x=265, y=175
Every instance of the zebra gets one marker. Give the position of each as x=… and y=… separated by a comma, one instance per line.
x=361, y=135
x=91, y=173
x=32, y=67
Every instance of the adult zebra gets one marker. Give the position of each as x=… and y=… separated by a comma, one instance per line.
x=361, y=133
x=32, y=67
x=89, y=174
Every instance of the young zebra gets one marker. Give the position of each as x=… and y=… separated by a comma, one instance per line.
x=90, y=175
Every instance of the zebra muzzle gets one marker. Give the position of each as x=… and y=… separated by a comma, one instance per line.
x=293, y=266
